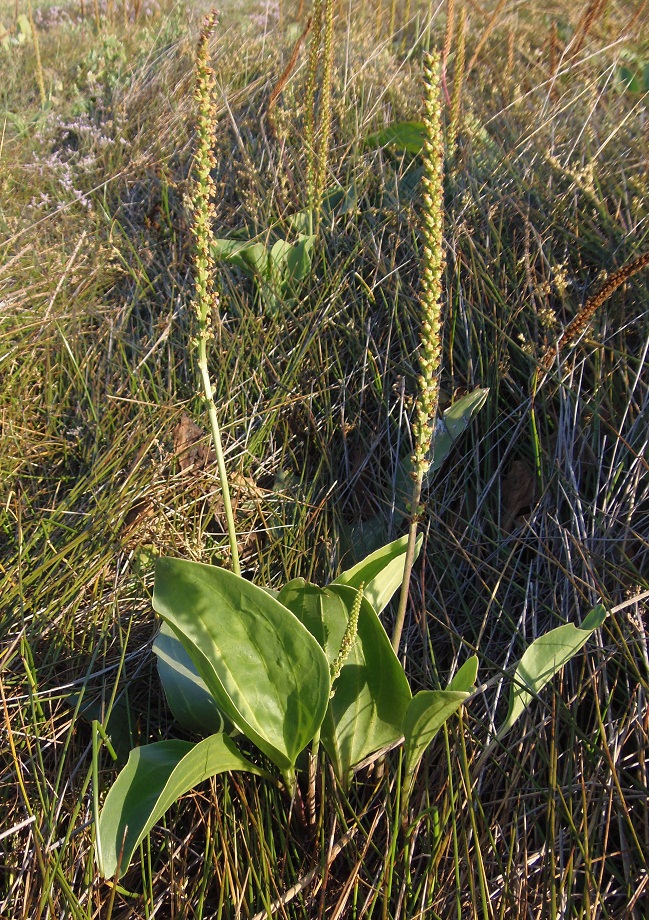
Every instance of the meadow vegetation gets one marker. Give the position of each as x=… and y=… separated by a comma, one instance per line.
x=539, y=512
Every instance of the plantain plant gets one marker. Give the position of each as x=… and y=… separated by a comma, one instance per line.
x=294, y=668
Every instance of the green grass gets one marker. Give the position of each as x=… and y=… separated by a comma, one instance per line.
x=541, y=511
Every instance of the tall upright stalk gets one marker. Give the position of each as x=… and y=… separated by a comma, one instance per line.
x=206, y=299
x=322, y=160
x=431, y=321
x=37, y=54
x=315, y=47
x=458, y=80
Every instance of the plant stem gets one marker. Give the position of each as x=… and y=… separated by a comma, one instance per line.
x=218, y=447
x=206, y=300
x=410, y=558
x=37, y=54
x=431, y=325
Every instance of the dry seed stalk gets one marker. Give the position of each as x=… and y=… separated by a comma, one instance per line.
x=431, y=323
x=578, y=325
x=629, y=27
x=484, y=38
x=393, y=17
x=37, y=54
x=554, y=50
x=325, y=113
x=511, y=54
x=589, y=17
x=458, y=82
x=448, y=39
x=379, y=19
x=283, y=80
x=315, y=46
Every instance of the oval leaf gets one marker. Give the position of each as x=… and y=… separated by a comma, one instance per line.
x=381, y=572
x=541, y=661
x=426, y=714
x=321, y=610
x=370, y=696
x=403, y=135
x=264, y=669
x=190, y=701
x=465, y=676
x=154, y=777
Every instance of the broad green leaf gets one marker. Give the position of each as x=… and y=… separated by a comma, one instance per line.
x=298, y=260
x=541, y=661
x=24, y=27
x=322, y=611
x=426, y=714
x=278, y=255
x=190, y=701
x=381, y=572
x=302, y=222
x=272, y=591
x=155, y=776
x=370, y=696
x=340, y=200
x=628, y=79
x=263, y=667
x=371, y=693
x=365, y=537
x=466, y=676
x=335, y=201
x=245, y=254
x=454, y=422
x=405, y=136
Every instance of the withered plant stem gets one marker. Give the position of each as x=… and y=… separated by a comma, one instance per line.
x=324, y=131
x=579, y=324
x=589, y=17
x=446, y=48
x=484, y=38
x=37, y=54
x=286, y=73
x=458, y=83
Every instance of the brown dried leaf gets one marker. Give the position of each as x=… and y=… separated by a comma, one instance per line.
x=190, y=445
x=518, y=494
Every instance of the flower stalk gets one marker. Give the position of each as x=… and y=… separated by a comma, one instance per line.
x=206, y=299
x=431, y=322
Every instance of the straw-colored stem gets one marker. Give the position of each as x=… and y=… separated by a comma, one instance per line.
x=458, y=83
x=324, y=131
x=393, y=17
x=484, y=38
x=37, y=54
